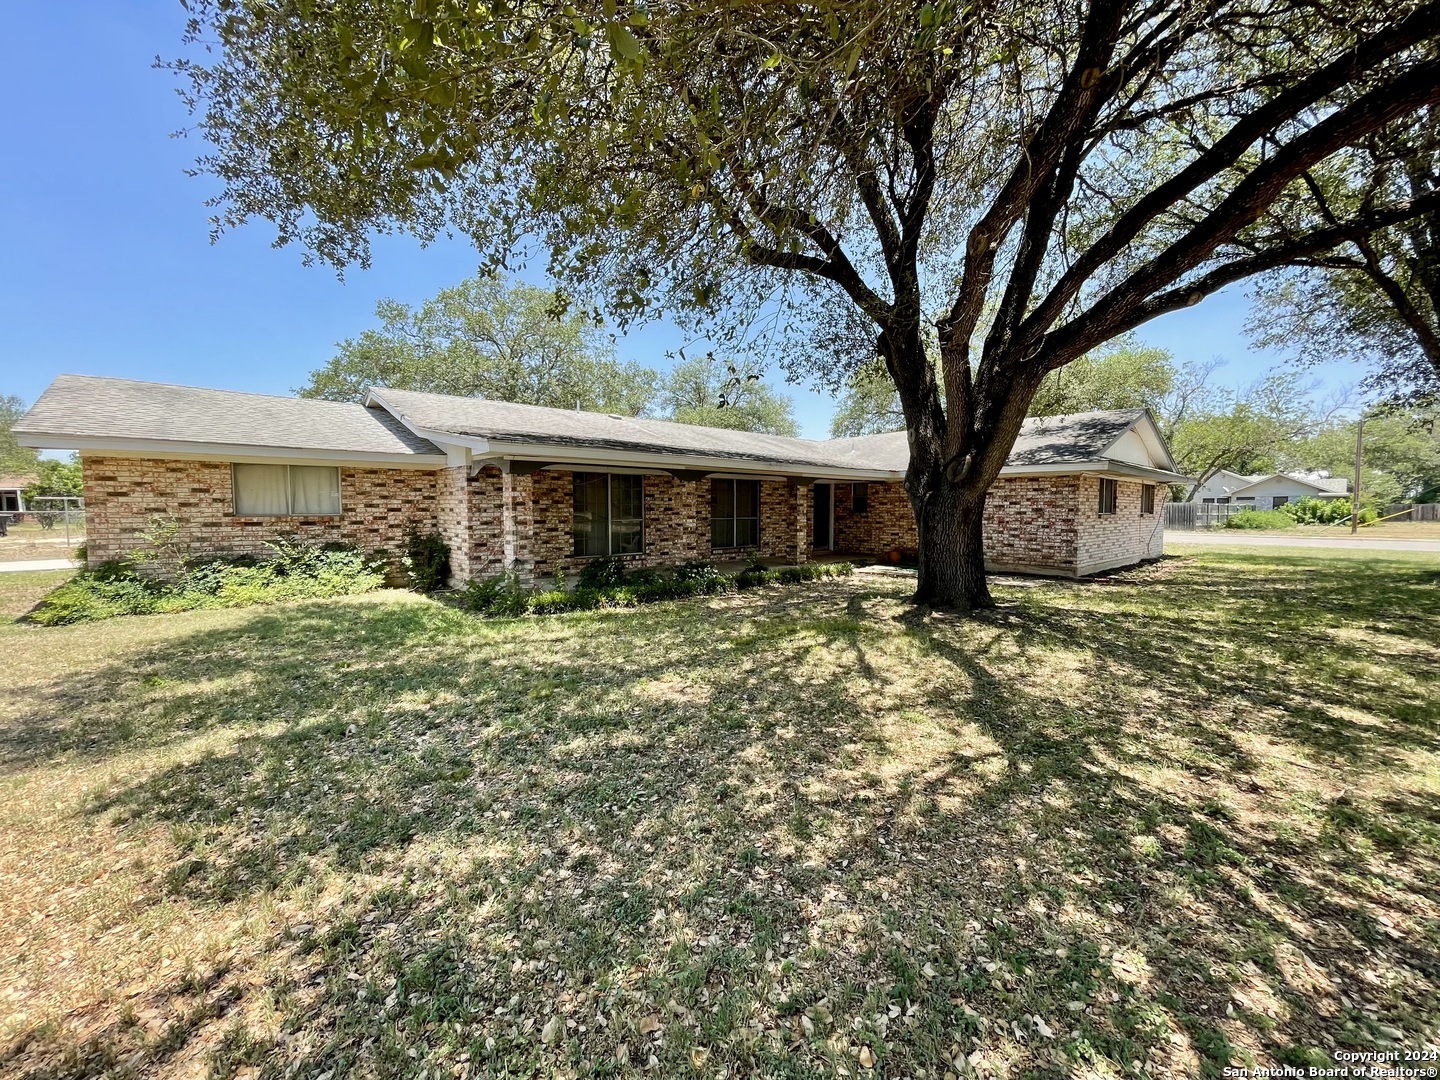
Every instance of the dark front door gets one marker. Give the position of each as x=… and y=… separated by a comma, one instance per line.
x=821, y=517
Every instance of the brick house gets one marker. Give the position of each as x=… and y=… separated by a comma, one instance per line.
x=540, y=491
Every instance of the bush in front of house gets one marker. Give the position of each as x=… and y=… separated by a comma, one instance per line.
x=426, y=561
x=504, y=596
x=1260, y=519
x=298, y=571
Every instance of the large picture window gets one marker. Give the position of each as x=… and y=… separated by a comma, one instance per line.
x=287, y=490
x=734, y=513
x=609, y=514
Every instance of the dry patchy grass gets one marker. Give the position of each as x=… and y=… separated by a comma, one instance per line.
x=1158, y=825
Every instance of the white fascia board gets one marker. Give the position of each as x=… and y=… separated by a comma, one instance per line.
x=1151, y=437
x=494, y=451
x=1122, y=470
x=168, y=450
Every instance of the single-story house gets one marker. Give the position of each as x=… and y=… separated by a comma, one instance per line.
x=540, y=491
x=12, y=493
x=1268, y=491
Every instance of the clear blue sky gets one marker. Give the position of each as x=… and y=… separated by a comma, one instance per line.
x=107, y=268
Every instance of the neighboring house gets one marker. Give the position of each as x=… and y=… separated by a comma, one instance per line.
x=12, y=493
x=1269, y=491
x=539, y=491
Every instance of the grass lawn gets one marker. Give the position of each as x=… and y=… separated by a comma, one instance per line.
x=1383, y=530
x=1187, y=818
x=29, y=541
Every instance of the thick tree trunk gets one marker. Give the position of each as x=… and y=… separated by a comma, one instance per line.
x=950, y=522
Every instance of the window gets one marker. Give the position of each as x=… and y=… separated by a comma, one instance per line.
x=286, y=490
x=609, y=514
x=859, y=498
x=1109, y=495
x=1244, y=498
x=734, y=513
x=1147, y=498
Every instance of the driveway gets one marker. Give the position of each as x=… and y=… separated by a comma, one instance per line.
x=1240, y=538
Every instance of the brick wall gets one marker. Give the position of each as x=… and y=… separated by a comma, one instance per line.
x=1030, y=524
x=379, y=506
x=1106, y=541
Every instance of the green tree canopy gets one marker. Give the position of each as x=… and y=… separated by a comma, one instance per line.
x=54, y=479
x=492, y=339
x=726, y=394
x=1374, y=299
x=15, y=460
x=1122, y=375
x=1401, y=457
x=1046, y=175
x=1246, y=430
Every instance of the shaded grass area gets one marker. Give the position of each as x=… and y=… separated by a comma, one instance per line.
x=1183, y=819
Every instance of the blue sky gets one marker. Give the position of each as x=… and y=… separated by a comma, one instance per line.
x=107, y=269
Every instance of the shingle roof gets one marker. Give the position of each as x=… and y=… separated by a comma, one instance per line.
x=1043, y=440
x=508, y=422
x=91, y=407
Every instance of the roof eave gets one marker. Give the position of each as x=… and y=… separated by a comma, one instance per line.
x=178, y=449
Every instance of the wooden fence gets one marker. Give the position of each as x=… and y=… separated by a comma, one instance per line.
x=1190, y=516
x=1412, y=512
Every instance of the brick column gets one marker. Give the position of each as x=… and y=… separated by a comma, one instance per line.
x=517, y=524
x=453, y=520
x=799, y=511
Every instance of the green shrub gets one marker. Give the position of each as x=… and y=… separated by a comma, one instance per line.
x=299, y=571
x=1319, y=511
x=603, y=573
x=426, y=561
x=501, y=595
x=1260, y=519
x=504, y=595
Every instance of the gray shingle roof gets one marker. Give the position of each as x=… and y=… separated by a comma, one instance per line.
x=507, y=422
x=1043, y=440
x=94, y=408
x=91, y=407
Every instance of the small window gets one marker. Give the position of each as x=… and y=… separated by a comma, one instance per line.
x=1109, y=495
x=1147, y=498
x=1211, y=501
x=609, y=514
x=859, y=498
x=1244, y=498
x=287, y=490
x=734, y=513
x=1223, y=502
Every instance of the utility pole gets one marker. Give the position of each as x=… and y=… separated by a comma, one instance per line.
x=1355, y=490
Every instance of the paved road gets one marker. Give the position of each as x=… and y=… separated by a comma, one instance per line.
x=1240, y=538
x=37, y=564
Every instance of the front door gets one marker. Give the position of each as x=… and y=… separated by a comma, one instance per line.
x=822, y=517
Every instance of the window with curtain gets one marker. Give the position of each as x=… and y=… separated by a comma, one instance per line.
x=609, y=514
x=1109, y=495
x=286, y=490
x=734, y=513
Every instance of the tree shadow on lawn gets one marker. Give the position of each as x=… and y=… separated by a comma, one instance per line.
x=770, y=825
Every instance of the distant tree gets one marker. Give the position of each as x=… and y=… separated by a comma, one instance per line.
x=492, y=339
x=869, y=405
x=54, y=482
x=1122, y=375
x=14, y=458
x=727, y=394
x=1213, y=429
x=1376, y=298
x=1401, y=452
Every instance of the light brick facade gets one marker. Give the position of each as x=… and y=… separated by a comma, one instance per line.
x=494, y=520
x=123, y=495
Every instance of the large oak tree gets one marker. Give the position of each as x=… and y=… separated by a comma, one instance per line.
x=1047, y=174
